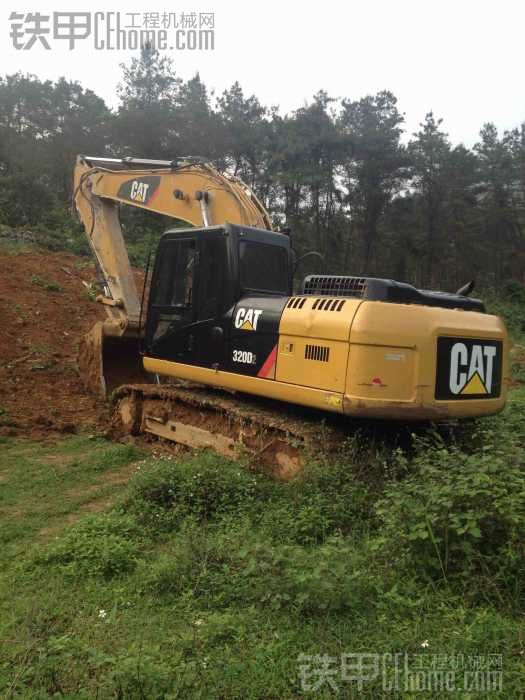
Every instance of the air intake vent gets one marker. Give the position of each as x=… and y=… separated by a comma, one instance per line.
x=316, y=352
x=330, y=286
x=296, y=303
x=328, y=304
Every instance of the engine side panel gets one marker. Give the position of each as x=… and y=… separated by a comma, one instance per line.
x=313, y=342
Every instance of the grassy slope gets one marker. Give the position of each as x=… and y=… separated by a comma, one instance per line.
x=205, y=580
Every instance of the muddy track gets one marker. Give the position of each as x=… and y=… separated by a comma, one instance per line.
x=276, y=434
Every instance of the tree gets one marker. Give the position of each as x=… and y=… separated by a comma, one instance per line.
x=81, y=125
x=498, y=189
x=246, y=131
x=201, y=132
x=148, y=80
x=146, y=123
x=429, y=152
x=44, y=125
x=308, y=153
x=377, y=168
x=464, y=257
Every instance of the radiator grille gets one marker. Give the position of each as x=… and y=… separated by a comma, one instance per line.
x=327, y=285
x=296, y=303
x=328, y=304
x=316, y=352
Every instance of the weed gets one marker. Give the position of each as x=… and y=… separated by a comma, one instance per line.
x=92, y=293
x=99, y=546
x=461, y=516
x=203, y=488
x=48, y=286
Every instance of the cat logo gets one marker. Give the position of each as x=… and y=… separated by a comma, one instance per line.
x=141, y=190
x=471, y=374
x=468, y=369
x=247, y=319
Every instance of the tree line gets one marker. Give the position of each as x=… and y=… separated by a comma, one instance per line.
x=342, y=174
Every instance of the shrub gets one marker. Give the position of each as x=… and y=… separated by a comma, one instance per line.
x=510, y=305
x=98, y=546
x=48, y=286
x=460, y=515
x=204, y=488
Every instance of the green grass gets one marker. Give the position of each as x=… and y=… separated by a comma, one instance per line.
x=206, y=580
x=10, y=247
x=42, y=484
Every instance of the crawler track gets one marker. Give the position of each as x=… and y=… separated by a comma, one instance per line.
x=273, y=433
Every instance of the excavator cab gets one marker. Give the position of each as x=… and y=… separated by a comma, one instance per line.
x=200, y=277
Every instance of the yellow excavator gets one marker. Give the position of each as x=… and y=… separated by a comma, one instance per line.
x=220, y=314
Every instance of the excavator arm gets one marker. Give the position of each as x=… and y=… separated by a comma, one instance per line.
x=191, y=190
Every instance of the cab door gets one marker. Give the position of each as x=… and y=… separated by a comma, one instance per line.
x=172, y=308
x=214, y=294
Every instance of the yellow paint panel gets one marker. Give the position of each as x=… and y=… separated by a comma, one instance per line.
x=380, y=330
x=307, y=322
x=305, y=396
x=294, y=368
x=228, y=199
x=381, y=373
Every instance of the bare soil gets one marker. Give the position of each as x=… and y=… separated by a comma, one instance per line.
x=45, y=309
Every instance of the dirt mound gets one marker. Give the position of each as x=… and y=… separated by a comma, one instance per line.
x=44, y=310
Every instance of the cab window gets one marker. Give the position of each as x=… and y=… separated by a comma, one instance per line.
x=213, y=276
x=263, y=267
x=176, y=274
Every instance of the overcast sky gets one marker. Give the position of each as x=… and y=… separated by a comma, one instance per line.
x=463, y=59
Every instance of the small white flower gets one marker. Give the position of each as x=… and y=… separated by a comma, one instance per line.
x=198, y=622
x=102, y=614
x=425, y=643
